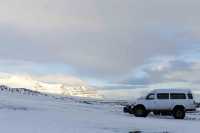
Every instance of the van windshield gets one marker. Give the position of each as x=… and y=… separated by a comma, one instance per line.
x=150, y=96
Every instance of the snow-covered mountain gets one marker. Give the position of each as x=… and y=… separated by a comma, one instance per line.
x=23, y=91
x=49, y=88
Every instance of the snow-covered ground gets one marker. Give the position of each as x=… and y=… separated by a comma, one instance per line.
x=43, y=114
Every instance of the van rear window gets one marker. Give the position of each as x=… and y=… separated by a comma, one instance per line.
x=177, y=96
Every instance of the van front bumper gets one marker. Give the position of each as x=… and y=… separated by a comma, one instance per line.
x=191, y=110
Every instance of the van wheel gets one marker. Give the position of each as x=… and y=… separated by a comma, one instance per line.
x=179, y=113
x=140, y=111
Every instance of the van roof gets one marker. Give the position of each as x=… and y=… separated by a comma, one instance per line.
x=172, y=90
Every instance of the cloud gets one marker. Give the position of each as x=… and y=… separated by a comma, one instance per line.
x=48, y=15
x=104, y=40
x=43, y=72
x=169, y=71
x=94, y=54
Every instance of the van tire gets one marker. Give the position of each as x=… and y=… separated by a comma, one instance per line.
x=179, y=113
x=140, y=111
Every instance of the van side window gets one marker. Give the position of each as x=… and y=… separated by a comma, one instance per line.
x=163, y=96
x=190, y=96
x=150, y=96
x=177, y=96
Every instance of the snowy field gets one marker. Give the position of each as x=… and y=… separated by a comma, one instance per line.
x=39, y=114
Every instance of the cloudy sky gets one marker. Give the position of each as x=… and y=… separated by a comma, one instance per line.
x=103, y=42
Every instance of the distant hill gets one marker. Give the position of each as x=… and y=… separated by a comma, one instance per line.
x=20, y=83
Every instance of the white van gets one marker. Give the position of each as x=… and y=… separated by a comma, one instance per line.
x=164, y=102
